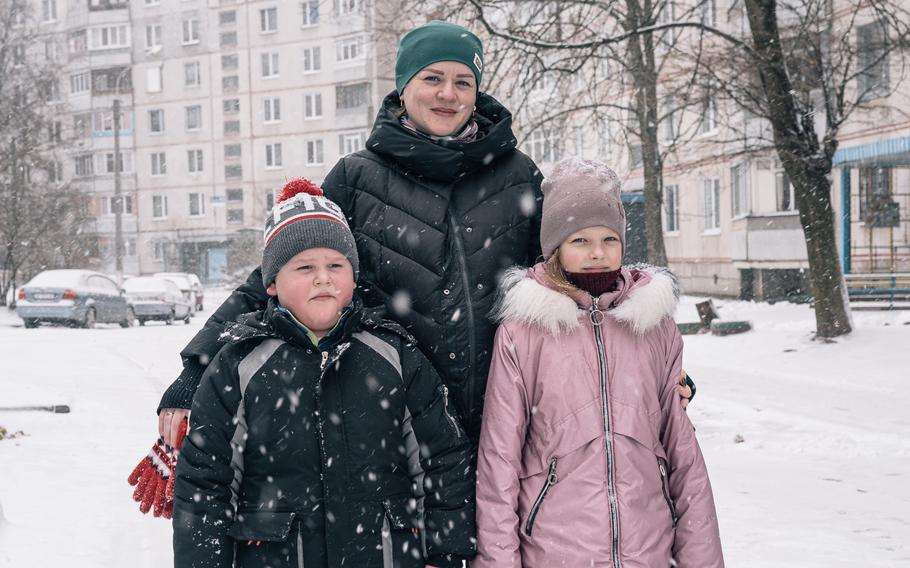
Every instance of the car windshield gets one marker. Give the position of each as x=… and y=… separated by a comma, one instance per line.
x=177, y=279
x=144, y=285
x=59, y=278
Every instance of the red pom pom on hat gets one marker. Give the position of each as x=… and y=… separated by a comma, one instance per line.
x=299, y=185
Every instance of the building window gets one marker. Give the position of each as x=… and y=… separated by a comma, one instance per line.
x=234, y=195
x=110, y=37
x=312, y=59
x=192, y=74
x=84, y=165
x=228, y=17
x=55, y=131
x=232, y=151
x=190, y=31
x=273, y=155
x=268, y=20
x=231, y=127
x=544, y=145
x=269, y=65
x=153, y=79
x=230, y=106
x=194, y=161
x=230, y=84
x=669, y=120
x=152, y=2
x=314, y=153
x=160, y=251
x=271, y=109
x=159, y=163
x=351, y=142
x=874, y=64
x=349, y=49
x=784, y=191
x=82, y=125
x=228, y=39
x=229, y=62
x=126, y=162
x=708, y=12
x=48, y=10
x=80, y=83
x=152, y=36
x=108, y=207
x=711, y=189
x=352, y=96
x=233, y=171
x=312, y=105
x=156, y=121
x=310, y=11
x=50, y=50
x=159, y=208
x=194, y=117
x=235, y=216
x=671, y=208
x=874, y=189
x=345, y=7
x=739, y=190
x=708, y=121
x=197, y=204
x=636, y=155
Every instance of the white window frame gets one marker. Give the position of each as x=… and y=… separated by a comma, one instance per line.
x=711, y=202
x=309, y=13
x=347, y=7
x=671, y=209
x=271, y=110
x=115, y=36
x=156, y=114
x=190, y=31
x=311, y=59
x=273, y=158
x=192, y=74
x=158, y=164
x=739, y=190
x=106, y=163
x=199, y=199
x=152, y=36
x=350, y=142
x=159, y=208
x=189, y=111
x=107, y=205
x=780, y=178
x=350, y=50
x=315, y=152
x=194, y=161
x=153, y=79
x=312, y=106
x=81, y=81
x=708, y=120
x=268, y=20
x=269, y=64
x=48, y=11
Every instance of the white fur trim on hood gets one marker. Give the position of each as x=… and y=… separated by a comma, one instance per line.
x=526, y=300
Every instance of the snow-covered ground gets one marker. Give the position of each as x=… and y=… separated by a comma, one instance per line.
x=808, y=444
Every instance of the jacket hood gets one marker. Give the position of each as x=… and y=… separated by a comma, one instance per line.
x=446, y=160
x=645, y=296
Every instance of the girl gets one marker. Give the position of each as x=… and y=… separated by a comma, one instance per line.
x=585, y=457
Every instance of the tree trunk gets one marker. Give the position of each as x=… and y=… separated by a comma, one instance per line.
x=641, y=64
x=809, y=169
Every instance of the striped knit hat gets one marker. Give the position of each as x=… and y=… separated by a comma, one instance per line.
x=304, y=218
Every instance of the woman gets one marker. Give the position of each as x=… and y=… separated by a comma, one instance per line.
x=440, y=202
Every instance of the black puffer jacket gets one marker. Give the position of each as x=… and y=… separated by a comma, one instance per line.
x=436, y=223
x=288, y=441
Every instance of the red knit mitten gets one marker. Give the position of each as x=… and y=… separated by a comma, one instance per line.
x=154, y=477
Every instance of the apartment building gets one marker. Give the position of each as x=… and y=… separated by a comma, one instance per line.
x=222, y=101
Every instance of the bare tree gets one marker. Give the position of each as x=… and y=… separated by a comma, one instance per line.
x=40, y=215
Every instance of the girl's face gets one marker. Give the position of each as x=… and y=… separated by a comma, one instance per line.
x=440, y=98
x=593, y=249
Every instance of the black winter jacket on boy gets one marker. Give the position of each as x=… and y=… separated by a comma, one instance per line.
x=286, y=438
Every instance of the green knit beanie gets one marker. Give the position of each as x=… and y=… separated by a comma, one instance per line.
x=433, y=42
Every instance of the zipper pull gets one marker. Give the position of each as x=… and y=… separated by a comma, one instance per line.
x=597, y=316
x=325, y=358
x=551, y=475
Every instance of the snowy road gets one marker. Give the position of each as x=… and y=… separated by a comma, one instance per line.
x=820, y=479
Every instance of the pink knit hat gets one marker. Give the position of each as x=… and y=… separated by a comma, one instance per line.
x=580, y=194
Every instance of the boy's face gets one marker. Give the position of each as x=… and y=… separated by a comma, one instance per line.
x=315, y=285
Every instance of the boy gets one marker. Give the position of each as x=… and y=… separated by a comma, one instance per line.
x=316, y=429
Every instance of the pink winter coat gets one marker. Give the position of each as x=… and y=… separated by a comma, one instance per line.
x=586, y=457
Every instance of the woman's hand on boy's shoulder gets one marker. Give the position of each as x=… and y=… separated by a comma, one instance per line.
x=685, y=391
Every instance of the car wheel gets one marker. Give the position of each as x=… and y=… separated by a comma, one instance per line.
x=169, y=320
x=89, y=321
x=141, y=322
x=30, y=323
x=130, y=317
x=186, y=319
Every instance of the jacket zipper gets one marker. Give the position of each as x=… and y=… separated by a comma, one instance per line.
x=663, y=487
x=551, y=480
x=469, y=308
x=445, y=409
x=597, y=318
x=317, y=399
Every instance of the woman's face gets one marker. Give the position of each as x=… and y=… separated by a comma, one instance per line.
x=440, y=98
x=593, y=249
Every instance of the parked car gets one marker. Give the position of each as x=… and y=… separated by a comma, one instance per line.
x=157, y=299
x=189, y=284
x=75, y=297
